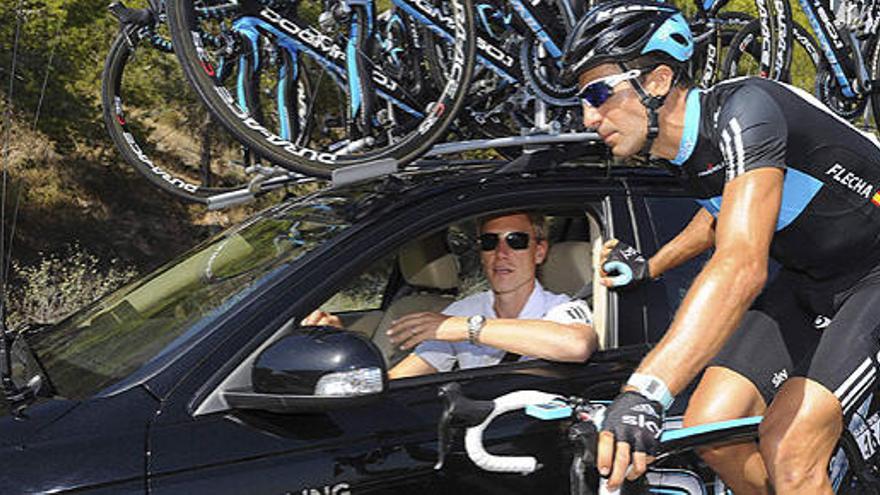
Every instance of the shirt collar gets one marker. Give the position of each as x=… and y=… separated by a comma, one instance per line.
x=691, y=128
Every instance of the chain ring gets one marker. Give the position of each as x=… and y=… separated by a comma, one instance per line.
x=543, y=88
x=829, y=92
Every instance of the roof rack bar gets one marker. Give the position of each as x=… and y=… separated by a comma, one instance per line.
x=364, y=171
x=247, y=194
x=480, y=144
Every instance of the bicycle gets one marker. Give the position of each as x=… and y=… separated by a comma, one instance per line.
x=333, y=41
x=849, y=69
x=806, y=56
x=854, y=468
x=176, y=147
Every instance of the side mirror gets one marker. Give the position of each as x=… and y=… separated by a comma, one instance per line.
x=313, y=369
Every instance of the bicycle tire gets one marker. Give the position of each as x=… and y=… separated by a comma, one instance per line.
x=729, y=23
x=183, y=18
x=873, y=74
x=745, y=47
x=168, y=170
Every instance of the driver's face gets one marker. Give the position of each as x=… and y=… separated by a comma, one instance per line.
x=621, y=121
x=508, y=269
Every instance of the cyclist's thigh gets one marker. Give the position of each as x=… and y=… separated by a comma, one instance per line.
x=774, y=335
x=723, y=394
x=845, y=361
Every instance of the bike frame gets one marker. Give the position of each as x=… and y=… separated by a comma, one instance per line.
x=834, y=43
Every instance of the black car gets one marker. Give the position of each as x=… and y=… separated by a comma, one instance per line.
x=190, y=380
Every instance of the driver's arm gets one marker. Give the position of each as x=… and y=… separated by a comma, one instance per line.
x=727, y=285
x=543, y=339
x=412, y=365
x=696, y=238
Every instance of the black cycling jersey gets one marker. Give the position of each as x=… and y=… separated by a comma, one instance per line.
x=829, y=221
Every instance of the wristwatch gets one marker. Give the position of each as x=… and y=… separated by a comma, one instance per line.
x=475, y=326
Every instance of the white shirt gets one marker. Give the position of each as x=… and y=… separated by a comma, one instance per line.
x=541, y=305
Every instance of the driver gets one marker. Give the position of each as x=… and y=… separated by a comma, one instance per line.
x=517, y=316
x=776, y=174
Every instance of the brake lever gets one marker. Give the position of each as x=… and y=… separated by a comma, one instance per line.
x=446, y=392
x=584, y=436
x=458, y=411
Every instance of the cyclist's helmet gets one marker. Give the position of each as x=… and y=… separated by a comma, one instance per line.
x=621, y=30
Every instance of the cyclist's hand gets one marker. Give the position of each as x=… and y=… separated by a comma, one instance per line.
x=321, y=318
x=630, y=436
x=622, y=265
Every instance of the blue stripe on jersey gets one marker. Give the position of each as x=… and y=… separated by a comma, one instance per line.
x=691, y=128
x=798, y=190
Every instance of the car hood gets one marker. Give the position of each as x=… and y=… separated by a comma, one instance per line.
x=17, y=430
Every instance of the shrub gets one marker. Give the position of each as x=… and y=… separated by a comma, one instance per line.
x=61, y=283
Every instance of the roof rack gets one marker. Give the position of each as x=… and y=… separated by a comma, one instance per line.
x=272, y=178
x=380, y=168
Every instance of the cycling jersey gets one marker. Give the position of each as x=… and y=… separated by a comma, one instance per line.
x=819, y=317
x=829, y=221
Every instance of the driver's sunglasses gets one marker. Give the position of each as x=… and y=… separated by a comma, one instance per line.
x=597, y=92
x=516, y=240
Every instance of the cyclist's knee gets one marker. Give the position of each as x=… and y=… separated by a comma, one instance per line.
x=791, y=468
x=798, y=435
x=723, y=395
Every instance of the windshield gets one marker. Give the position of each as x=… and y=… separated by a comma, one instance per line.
x=148, y=319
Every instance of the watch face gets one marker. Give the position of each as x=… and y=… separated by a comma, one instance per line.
x=476, y=320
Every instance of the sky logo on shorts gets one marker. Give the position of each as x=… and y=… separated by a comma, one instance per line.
x=779, y=377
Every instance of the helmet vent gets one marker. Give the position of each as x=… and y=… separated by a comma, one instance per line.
x=679, y=38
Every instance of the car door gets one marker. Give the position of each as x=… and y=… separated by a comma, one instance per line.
x=388, y=445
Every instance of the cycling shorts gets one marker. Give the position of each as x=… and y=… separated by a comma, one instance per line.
x=797, y=327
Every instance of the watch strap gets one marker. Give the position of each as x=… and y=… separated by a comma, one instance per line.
x=651, y=388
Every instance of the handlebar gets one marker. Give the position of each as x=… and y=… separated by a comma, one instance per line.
x=473, y=439
x=475, y=416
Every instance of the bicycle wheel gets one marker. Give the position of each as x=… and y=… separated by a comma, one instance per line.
x=708, y=56
x=161, y=131
x=743, y=57
x=350, y=118
x=873, y=64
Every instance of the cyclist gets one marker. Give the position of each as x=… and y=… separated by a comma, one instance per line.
x=776, y=175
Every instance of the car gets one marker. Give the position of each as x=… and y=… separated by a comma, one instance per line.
x=196, y=378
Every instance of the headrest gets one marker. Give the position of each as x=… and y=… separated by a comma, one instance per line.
x=568, y=267
x=428, y=264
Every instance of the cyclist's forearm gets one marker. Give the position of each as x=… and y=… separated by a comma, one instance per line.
x=708, y=316
x=696, y=238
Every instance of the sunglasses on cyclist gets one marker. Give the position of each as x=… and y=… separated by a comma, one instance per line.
x=516, y=240
x=597, y=92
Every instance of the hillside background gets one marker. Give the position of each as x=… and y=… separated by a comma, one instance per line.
x=83, y=221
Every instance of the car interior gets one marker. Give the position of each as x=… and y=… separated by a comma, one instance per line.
x=431, y=272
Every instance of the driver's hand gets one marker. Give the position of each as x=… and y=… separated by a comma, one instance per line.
x=630, y=437
x=321, y=318
x=412, y=329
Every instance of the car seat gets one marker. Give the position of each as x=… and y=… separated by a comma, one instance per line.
x=431, y=274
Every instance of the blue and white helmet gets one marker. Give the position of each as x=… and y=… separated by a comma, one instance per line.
x=621, y=30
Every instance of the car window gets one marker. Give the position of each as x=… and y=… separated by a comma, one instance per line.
x=669, y=216
x=364, y=292
x=149, y=319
